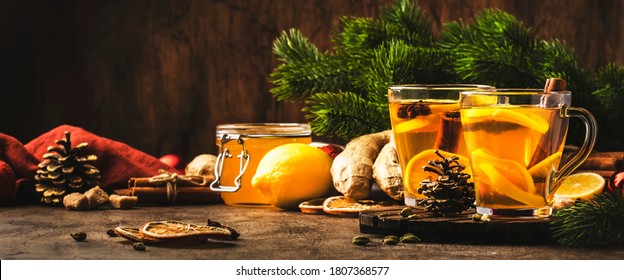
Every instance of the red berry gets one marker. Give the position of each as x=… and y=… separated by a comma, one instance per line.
x=173, y=160
x=330, y=149
x=617, y=180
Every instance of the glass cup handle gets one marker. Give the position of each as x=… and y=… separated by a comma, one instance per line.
x=554, y=178
x=218, y=169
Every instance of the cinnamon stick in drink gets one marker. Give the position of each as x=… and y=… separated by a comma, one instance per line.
x=449, y=133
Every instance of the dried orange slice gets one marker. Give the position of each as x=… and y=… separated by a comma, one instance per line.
x=129, y=233
x=176, y=231
x=314, y=206
x=347, y=207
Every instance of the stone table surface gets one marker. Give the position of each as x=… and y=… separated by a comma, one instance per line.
x=38, y=232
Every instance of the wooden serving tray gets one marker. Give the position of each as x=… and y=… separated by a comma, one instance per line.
x=456, y=228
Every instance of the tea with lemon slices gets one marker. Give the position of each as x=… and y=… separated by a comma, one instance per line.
x=512, y=151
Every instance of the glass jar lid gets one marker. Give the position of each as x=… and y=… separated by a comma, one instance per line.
x=255, y=130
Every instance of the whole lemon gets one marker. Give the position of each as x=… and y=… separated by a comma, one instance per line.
x=292, y=173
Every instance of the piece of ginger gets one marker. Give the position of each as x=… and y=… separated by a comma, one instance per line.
x=352, y=170
x=387, y=172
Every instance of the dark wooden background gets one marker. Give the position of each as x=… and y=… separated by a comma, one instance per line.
x=160, y=75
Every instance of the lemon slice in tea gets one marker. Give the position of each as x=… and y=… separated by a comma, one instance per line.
x=540, y=171
x=509, y=115
x=508, y=177
x=419, y=124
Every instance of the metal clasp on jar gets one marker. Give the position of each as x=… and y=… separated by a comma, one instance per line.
x=224, y=153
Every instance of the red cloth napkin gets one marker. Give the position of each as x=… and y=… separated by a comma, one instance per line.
x=116, y=161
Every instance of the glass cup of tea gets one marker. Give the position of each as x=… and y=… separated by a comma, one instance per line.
x=515, y=140
x=425, y=117
x=241, y=147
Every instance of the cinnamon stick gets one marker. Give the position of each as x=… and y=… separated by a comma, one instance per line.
x=449, y=133
x=173, y=189
x=554, y=84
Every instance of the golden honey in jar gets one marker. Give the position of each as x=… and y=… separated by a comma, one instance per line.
x=241, y=147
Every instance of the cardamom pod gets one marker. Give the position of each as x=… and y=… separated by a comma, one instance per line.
x=410, y=238
x=360, y=240
x=111, y=233
x=407, y=211
x=391, y=240
x=413, y=217
x=139, y=246
x=79, y=236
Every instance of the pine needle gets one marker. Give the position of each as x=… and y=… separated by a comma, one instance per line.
x=345, y=115
x=599, y=221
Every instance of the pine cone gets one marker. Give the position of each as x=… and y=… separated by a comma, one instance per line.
x=450, y=192
x=65, y=170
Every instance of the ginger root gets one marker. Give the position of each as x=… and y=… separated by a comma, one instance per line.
x=387, y=172
x=352, y=170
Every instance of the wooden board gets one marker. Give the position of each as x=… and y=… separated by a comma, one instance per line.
x=456, y=228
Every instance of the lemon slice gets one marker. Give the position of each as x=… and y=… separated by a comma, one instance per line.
x=506, y=115
x=419, y=124
x=580, y=185
x=509, y=188
x=438, y=108
x=508, y=177
x=540, y=171
x=415, y=173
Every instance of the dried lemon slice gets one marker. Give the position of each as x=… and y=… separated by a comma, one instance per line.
x=347, y=207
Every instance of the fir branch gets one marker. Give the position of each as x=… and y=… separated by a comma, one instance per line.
x=409, y=21
x=495, y=49
x=401, y=21
x=292, y=46
x=395, y=62
x=345, y=115
x=356, y=34
x=502, y=65
x=611, y=97
x=599, y=221
x=295, y=81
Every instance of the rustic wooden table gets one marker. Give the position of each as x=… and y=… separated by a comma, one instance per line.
x=36, y=232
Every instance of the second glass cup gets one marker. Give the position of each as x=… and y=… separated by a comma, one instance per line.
x=425, y=117
x=515, y=139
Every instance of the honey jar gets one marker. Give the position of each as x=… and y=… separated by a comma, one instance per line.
x=241, y=147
